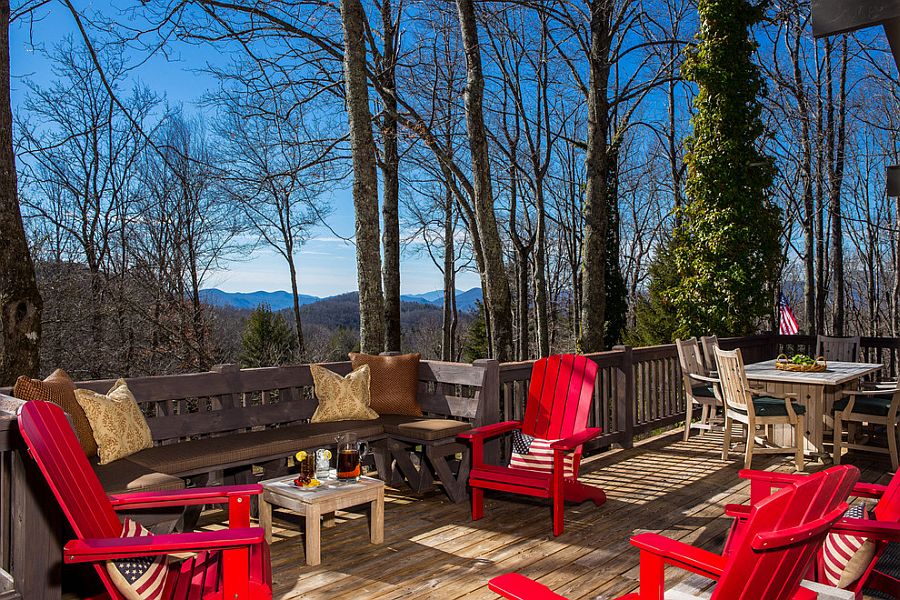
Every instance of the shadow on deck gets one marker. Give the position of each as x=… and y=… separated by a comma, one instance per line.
x=433, y=550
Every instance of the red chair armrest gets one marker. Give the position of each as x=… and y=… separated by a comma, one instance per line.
x=779, y=479
x=519, y=587
x=738, y=511
x=879, y=530
x=868, y=490
x=488, y=431
x=92, y=550
x=573, y=441
x=680, y=554
x=188, y=497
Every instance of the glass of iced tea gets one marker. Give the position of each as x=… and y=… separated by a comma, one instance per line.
x=349, y=453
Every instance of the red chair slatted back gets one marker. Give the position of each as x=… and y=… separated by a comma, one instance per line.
x=782, y=536
x=53, y=445
x=559, y=396
x=888, y=507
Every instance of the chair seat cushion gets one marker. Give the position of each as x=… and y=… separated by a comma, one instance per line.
x=867, y=405
x=123, y=475
x=421, y=428
x=767, y=406
x=534, y=454
x=845, y=557
x=703, y=391
x=199, y=456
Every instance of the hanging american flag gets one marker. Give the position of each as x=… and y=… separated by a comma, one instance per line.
x=787, y=323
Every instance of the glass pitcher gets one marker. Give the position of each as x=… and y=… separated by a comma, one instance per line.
x=349, y=453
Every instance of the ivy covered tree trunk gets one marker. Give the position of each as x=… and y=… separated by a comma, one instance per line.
x=365, y=180
x=727, y=249
x=20, y=300
x=616, y=301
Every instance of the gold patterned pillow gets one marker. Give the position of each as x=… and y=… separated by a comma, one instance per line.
x=342, y=398
x=119, y=427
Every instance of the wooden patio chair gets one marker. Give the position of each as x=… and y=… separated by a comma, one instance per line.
x=228, y=564
x=883, y=571
x=699, y=387
x=838, y=349
x=710, y=344
x=756, y=408
x=768, y=562
x=878, y=406
x=558, y=406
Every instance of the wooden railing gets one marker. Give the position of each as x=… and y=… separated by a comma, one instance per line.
x=638, y=391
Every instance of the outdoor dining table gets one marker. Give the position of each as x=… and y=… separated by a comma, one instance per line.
x=816, y=391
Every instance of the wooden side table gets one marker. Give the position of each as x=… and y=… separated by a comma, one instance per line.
x=322, y=502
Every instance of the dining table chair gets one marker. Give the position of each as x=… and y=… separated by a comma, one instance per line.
x=755, y=408
x=878, y=406
x=699, y=387
x=838, y=349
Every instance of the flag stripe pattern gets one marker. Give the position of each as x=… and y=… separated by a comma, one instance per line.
x=143, y=577
x=534, y=454
x=840, y=548
x=787, y=323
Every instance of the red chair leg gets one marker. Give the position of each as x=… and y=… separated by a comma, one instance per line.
x=477, y=503
x=559, y=513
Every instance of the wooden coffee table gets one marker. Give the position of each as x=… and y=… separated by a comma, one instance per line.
x=319, y=503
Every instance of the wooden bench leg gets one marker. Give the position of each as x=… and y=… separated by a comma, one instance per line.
x=455, y=485
x=419, y=479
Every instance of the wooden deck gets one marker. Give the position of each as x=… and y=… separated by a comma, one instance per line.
x=433, y=550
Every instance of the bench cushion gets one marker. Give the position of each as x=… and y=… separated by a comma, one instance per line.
x=199, y=456
x=122, y=476
x=421, y=428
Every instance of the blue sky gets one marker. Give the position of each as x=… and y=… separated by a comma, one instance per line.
x=327, y=264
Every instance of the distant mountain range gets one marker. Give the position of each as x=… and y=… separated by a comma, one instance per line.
x=465, y=300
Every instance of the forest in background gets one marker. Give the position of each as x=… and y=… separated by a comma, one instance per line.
x=131, y=204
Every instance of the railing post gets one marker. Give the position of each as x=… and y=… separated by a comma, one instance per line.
x=232, y=374
x=625, y=396
x=489, y=409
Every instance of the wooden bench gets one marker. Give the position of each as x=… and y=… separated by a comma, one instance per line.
x=232, y=425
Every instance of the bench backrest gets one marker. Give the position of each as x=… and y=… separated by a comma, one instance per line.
x=228, y=399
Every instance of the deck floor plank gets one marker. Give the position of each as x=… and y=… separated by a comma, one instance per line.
x=433, y=550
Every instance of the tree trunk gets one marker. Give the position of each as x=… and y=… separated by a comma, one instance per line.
x=541, y=305
x=836, y=180
x=449, y=317
x=390, y=172
x=295, y=294
x=496, y=294
x=593, y=305
x=365, y=180
x=20, y=299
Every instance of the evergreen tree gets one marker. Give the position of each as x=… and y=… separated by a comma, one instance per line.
x=726, y=250
x=268, y=340
x=476, y=345
x=655, y=320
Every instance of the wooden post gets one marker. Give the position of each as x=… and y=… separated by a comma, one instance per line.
x=36, y=544
x=232, y=374
x=489, y=405
x=625, y=396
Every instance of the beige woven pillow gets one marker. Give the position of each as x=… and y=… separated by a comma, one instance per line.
x=119, y=427
x=342, y=398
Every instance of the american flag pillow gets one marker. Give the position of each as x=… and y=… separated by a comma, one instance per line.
x=140, y=578
x=845, y=557
x=534, y=454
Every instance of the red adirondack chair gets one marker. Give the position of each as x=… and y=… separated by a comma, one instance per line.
x=781, y=537
x=883, y=529
x=559, y=403
x=229, y=564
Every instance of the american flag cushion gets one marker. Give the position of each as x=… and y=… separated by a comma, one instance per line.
x=845, y=557
x=140, y=578
x=534, y=454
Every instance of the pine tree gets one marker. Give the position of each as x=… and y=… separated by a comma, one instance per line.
x=268, y=340
x=475, y=345
x=726, y=250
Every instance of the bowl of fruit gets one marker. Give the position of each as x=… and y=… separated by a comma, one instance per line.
x=801, y=363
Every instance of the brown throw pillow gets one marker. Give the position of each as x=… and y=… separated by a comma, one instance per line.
x=119, y=426
x=394, y=382
x=59, y=389
x=342, y=398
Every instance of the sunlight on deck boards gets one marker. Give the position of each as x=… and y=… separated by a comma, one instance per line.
x=433, y=550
